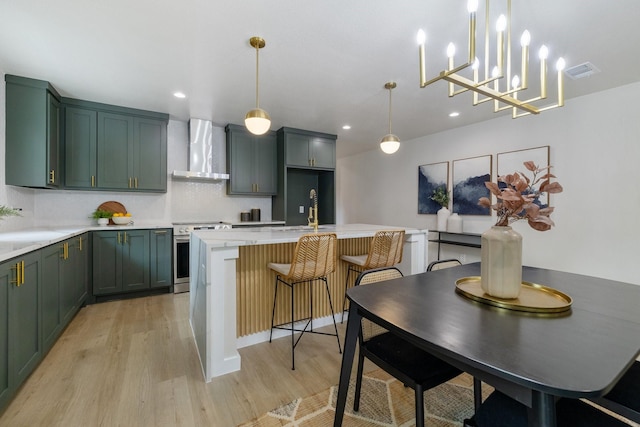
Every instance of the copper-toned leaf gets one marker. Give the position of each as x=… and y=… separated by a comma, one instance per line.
x=540, y=226
x=530, y=165
x=554, y=188
x=493, y=187
x=484, y=202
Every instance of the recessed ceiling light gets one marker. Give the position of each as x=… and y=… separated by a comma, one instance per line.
x=179, y=95
x=454, y=114
x=346, y=127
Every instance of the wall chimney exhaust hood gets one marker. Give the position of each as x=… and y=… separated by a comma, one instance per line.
x=200, y=153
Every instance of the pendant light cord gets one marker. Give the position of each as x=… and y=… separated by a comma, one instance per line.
x=390, y=110
x=257, y=73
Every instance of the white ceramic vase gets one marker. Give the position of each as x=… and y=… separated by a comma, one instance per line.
x=454, y=223
x=501, y=262
x=103, y=221
x=443, y=215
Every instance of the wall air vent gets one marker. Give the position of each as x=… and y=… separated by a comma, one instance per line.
x=586, y=69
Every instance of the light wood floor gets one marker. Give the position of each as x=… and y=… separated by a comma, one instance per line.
x=134, y=363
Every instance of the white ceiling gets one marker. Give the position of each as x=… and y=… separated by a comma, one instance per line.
x=325, y=63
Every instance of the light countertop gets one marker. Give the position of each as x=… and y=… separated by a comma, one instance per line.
x=286, y=234
x=19, y=242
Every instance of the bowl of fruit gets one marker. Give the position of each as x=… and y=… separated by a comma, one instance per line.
x=119, y=218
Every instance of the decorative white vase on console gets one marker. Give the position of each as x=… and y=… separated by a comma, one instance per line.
x=454, y=223
x=443, y=215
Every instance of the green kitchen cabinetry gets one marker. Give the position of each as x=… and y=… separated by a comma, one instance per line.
x=7, y=275
x=32, y=133
x=81, y=135
x=131, y=260
x=308, y=149
x=64, y=289
x=252, y=162
x=161, y=262
x=306, y=160
x=120, y=261
x=25, y=320
x=114, y=148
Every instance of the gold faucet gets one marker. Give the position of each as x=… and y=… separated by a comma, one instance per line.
x=313, y=210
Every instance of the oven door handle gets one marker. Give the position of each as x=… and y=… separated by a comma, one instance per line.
x=181, y=239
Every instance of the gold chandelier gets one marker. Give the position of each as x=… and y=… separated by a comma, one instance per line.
x=257, y=120
x=489, y=88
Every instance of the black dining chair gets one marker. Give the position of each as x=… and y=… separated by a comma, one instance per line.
x=499, y=410
x=412, y=366
x=624, y=398
x=443, y=263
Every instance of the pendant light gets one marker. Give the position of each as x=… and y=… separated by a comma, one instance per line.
x=257, y=120
x=390, y=143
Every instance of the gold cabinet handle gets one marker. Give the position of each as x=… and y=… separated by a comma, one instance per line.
x=52, y=176
x=160, y=231
x=119, y=238
x=66, y=250
x=17, y=268
x=93, y=180
x=129, y=182
x=80, y=244
x=125, y=237
x=136, y=181
x=21, y=272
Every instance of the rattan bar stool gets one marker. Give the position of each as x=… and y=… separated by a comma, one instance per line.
x=314, y=257
x=385, y=250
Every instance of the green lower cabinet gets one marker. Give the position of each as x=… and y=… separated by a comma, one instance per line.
x=6, y=276
x=131, y=260
x=160, y=263
x=120, y=261
x=25, y=333
x=52, y=261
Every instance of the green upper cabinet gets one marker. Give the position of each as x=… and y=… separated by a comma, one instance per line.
x=114, y=148
x=150, y=154
x=252, y=162
x=32, y=133
x=308, y=149
x=115, y=151
x=81, y=133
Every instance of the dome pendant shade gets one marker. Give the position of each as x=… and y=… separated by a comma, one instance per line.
x=390, y=143
x=257, y=121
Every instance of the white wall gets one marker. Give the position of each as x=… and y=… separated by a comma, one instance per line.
x=183, y=201
x=595, y=149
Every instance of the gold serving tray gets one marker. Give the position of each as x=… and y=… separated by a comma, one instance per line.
x=533, y=298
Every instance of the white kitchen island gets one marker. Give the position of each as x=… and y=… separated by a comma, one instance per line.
x=231, y=288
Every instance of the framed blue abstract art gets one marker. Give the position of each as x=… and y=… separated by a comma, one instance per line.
x=469, y=176
x=430, y=177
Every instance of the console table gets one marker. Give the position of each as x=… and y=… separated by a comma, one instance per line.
x=469, y=240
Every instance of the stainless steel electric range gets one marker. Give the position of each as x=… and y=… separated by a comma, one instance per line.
x=181, y=235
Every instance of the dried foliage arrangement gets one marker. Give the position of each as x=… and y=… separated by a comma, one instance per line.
x=517, y=200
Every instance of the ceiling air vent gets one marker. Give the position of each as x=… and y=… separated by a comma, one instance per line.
x=586, y=69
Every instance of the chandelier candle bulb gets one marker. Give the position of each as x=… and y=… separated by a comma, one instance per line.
x=500, y=27
x=542, y=54
x=472, y=7
x=524, y=42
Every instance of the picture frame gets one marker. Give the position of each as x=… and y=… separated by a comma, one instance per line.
x=468, y=178
x=513, y=161
x=430, y=177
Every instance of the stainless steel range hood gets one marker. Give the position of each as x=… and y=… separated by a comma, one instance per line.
x=200, y=153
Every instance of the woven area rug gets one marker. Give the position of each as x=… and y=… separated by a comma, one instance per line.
x=384, y=402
